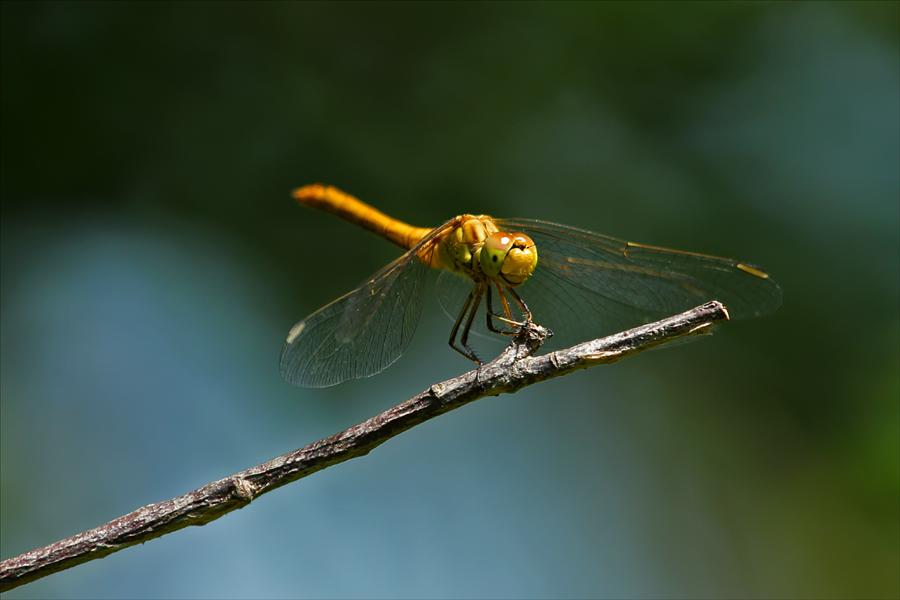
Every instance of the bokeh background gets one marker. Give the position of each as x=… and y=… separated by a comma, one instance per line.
x=153, y=262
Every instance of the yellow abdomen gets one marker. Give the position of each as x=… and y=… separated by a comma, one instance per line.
x=334, y=201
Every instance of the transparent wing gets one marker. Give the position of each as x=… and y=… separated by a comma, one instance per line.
x=586, y=285
x=362, y=333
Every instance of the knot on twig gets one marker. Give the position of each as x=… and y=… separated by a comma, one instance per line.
x=526, y=342
x=243, y=489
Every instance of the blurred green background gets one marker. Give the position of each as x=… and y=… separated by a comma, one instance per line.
x=153, y=262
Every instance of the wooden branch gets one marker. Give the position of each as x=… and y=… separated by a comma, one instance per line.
x=514, y=369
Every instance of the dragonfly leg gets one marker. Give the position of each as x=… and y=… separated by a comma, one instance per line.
x=468, y=312
x=525, y=308
x=504, y=301
x=522, y=304
x=478, y=292
x=491, y=315
x=462, y=313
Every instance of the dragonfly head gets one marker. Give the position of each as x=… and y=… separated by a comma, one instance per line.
x=508, y=257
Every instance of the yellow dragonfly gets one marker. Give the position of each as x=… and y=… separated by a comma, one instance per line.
x=579, y=284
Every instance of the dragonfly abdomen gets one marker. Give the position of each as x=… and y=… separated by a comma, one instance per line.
x=332, y=200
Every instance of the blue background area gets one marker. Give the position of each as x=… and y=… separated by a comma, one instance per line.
x=153, y=262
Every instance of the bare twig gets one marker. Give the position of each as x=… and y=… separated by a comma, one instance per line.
x=511, y=371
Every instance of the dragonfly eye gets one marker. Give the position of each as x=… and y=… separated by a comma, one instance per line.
x=507, y=257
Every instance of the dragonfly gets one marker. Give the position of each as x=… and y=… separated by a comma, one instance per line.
x=577, y=283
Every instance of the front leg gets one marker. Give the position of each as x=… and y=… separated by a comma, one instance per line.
x=491, y=315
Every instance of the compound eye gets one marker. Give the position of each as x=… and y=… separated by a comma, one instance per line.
x=494, y=251
x=499, y=242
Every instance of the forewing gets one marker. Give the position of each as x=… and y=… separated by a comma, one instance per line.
x=586, y=284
